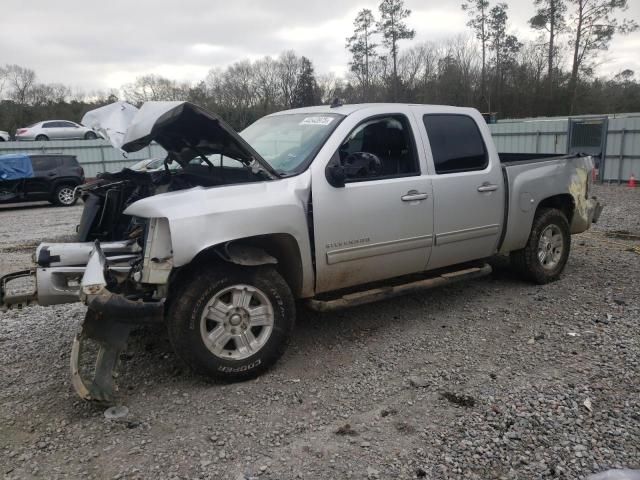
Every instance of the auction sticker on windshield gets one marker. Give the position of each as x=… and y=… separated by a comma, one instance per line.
x=317, y=121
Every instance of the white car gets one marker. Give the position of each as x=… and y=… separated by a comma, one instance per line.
x=4, y=136
x=55, y=130
x=152, y=165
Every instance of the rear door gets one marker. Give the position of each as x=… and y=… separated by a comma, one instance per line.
x=468, y=188
x=45, y=170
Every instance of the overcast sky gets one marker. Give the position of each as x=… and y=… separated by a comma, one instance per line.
x=101, y=45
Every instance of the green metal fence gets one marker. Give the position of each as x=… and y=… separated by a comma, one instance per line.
x=95, y=156
x=619, y=150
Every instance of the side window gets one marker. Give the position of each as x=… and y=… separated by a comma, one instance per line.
x=389, y=138
x=43, y=164
x=456, y=143
x=67, y=124
x=49, y=125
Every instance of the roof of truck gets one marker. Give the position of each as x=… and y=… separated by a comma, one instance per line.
x=348, y=109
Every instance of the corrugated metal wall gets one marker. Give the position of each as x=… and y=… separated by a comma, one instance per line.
x=549, y=135
x=623, y=149
x=538, y=135
x=95, y=156
x=531, y=136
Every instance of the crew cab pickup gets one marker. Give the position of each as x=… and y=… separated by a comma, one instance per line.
x=328, y=206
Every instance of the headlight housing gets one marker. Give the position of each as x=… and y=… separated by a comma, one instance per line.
x=158, y=253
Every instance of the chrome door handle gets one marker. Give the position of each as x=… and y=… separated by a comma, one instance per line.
x=487, y=187
x=414, y=196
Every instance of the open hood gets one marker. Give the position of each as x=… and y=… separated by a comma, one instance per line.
x=111, y=121
x=185, y=131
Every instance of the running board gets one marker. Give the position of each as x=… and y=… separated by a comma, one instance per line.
x=382, y=293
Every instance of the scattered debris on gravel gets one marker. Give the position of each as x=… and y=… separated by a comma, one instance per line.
x=493, y=378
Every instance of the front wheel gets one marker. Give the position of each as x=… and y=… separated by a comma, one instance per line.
x=231, y=323
x=544, y=257
x=90, y=136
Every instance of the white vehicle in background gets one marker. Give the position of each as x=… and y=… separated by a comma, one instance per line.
x=4, y=136
x=152, y=165
x=55, y=130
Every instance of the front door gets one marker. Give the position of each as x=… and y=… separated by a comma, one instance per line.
x=379, y=225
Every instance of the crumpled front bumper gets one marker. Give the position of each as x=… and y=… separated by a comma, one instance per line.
x=95, y=294
x=72, y=272
x=75, y=272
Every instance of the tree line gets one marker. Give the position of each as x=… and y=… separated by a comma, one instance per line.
x=489, y=68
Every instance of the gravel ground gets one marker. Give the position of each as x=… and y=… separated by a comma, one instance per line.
x=493, y=378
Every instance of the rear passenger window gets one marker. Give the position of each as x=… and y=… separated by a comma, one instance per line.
x=69, y=161
x=456, y=143
x=43, y=163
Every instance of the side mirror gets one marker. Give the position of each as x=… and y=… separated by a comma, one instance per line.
x=362, y=165
x=357, y=165
x=335, y=174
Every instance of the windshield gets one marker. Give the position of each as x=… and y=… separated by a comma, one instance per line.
x=288, y=142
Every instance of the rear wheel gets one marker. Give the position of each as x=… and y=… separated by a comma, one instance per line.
x=544, y=257
x=42, y=138
x=64, y=196
x=232, y=323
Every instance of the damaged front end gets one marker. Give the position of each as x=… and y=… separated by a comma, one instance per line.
x=121, y=265
x=103, y=276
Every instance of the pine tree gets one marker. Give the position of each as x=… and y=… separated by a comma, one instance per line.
x=479, y=17
x=306, y=93
x=393, y=28
x=362, y=47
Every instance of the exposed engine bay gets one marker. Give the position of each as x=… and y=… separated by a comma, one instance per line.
x=193, y=138
x=106, y=199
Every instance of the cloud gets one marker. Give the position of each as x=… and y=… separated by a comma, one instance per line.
x=105, y=44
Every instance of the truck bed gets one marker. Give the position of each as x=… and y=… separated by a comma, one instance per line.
x=519, y=158
x=530, y=177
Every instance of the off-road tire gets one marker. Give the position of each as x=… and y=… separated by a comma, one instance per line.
x=526, y=261
x=41, y=138
x=185, y=311
x=61, y=195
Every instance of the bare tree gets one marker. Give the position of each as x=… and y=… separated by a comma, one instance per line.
x=330, y=87
x=3, y=80
x=154, y=88
x=593, y=26
x=288, y=70
x=20, y=80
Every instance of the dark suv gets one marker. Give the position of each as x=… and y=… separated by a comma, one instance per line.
x=52, y=178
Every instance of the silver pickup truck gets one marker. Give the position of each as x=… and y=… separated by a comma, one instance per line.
x=330, y=207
